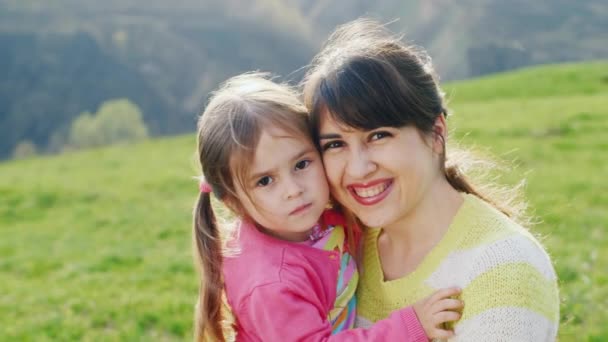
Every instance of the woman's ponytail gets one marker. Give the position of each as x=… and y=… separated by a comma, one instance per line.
x=460, y=163
x=459, y=181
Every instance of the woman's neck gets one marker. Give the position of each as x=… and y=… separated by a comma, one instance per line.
x=406, y=242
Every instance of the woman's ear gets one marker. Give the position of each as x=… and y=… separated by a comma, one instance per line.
x=440, y=132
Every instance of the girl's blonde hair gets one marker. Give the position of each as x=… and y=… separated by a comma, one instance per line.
x=228, y=133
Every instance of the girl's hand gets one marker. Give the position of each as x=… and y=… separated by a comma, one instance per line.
x=438, y=309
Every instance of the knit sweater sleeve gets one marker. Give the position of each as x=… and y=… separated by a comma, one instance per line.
x=511, y=292
x=293, y=315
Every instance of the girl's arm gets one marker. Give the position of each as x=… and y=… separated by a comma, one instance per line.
x=279, y=312
x=292, y=316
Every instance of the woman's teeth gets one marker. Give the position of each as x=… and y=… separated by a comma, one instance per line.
x=370, y=192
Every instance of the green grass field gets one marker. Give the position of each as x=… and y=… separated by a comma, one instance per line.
x=95, y=245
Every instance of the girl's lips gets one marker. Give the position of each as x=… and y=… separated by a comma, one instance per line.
x=371, y=193
x=300, y=209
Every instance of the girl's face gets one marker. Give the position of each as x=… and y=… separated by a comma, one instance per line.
x=380, y=175
x=285, y=191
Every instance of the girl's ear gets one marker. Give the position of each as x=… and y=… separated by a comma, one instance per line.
x=440, y=132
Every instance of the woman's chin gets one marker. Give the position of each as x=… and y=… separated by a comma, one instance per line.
x=373, y=221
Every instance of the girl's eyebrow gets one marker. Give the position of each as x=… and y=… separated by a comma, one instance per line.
x=329, y=136
x=302, y=153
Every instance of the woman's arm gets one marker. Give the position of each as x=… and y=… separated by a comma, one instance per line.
x=511, y=293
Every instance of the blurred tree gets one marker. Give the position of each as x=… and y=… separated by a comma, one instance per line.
x=24, y=149
x=118, y=120
x=58, y=140
x=83, y=132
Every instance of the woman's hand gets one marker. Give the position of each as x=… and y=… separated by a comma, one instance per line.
x=437, y=309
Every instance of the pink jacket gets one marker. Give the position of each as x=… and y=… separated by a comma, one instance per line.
x=283, y=291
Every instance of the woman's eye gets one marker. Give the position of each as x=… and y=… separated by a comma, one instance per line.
x=302, y=164
x=379, y=135
x=332, y=144
x=264, y=181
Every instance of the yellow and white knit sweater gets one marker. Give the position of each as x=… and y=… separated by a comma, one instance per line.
x=509, y=285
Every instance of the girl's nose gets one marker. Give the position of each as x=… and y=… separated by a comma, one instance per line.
x=293, y=188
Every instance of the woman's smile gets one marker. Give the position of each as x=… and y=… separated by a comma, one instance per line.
x=372, y=192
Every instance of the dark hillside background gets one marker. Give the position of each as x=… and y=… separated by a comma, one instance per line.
x=64, y=57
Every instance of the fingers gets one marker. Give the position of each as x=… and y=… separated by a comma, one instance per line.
x=441, y=334
x=444, y=293
x=447, y=304
x=437, y=309
x=445, y=316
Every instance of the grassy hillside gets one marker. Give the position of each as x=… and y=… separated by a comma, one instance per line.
x=96, y=244
x=551, y=121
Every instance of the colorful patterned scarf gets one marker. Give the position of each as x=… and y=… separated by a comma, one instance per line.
x=333, y=238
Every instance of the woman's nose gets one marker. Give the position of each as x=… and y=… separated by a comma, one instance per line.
x=359, y=164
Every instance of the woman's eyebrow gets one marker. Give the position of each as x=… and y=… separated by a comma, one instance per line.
x=330, y=136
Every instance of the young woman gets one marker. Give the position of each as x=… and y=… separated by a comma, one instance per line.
x=379, y=119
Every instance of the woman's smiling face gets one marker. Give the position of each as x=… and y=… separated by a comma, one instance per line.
x=380, y=175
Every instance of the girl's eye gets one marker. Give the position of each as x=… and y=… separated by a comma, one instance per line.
x=379, y=135
x=332, y=144
x=264, y=181
x=302, y=164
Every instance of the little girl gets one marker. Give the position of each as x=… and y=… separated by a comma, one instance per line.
x=290, y=275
